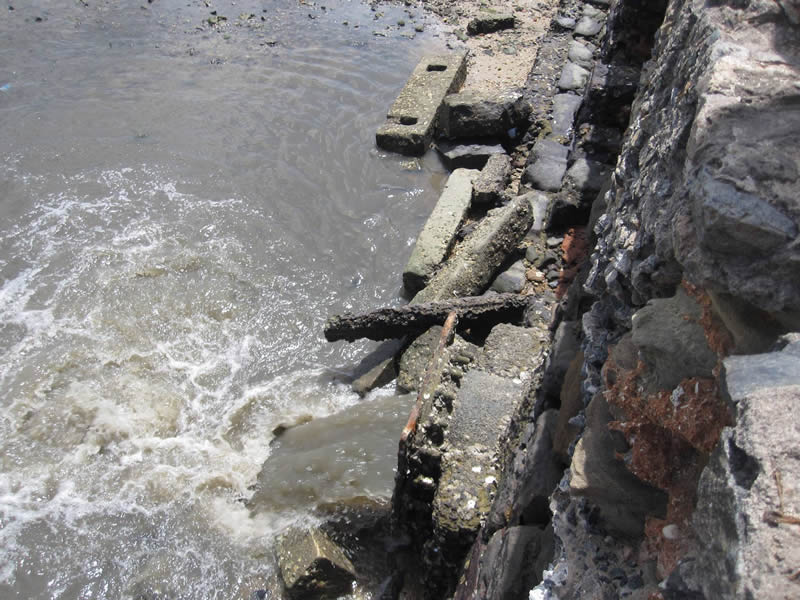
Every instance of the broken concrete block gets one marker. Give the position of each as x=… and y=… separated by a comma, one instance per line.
x=475, y=262
x=467, y=156
x=489, y=186
x=439, y=232
x=411, y=119
x=483, y=113
x=312, y=566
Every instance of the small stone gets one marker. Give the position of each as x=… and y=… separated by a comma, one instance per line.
x=567, y=23
x=588, y=27
x=554, y=242
x=512, y=280
x=573, y=77
x=671, y=532
x=580, y=54
x=534, y=274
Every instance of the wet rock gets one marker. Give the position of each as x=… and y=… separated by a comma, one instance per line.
x=439, y=233
x=489, y=22
x=671, y=341
x=479, y=256
x=749, y=485
x=474, y=114
x=586, y=177
x=547, y=165
x=312, y=566
x=378, y=376
x=489, y=186
x=467, y=156
x=510, y=280
x=573, y=77
x=564, y=108
x=598, y=475
x=588, y=27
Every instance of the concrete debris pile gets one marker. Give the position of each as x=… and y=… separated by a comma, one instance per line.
x=630, y=433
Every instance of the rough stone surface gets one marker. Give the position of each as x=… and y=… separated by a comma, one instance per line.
x=586, y=177
x=573, y=77
x=511, y=351
x=467, y=156
x=487, y=113
x=564, y=108
x=751, y=483
x=597, y=474
x=439, y=232
x=671, y=341
x=414, y=360
x=411, y=119
x=490, y=185
x=571, y=405
x=477, y=259
x=511, y=280
x=566, y=344
x=718, y=194
x=524, y=494
x=581, y=54
x=547, y=164
x=588, y=27
x=507, y=565
x=312, y=566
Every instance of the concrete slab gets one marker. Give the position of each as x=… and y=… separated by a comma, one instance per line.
x=439, y=233
x=412, y=118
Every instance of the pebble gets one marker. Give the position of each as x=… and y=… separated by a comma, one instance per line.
x=554, y=242
x=566, y=22
x=588, y=27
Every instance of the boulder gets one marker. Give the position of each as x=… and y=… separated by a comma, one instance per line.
x=546, y=166
x=482, y=113
x=671, y=341
x=573, y=77
x=490, y=185
x=602, y=478
x=748, y=494
x=312, y=566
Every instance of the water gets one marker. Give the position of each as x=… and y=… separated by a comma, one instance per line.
x=181, y=207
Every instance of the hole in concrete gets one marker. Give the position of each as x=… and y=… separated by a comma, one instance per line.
x=437, y=67
x=408, y=120
x=745, y=468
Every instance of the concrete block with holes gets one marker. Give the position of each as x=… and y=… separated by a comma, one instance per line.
x=412, y=118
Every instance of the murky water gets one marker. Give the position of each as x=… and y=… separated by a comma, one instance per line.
x=181, y=207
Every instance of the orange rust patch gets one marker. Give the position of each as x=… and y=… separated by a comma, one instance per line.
x=574, y=249
x=717, y=335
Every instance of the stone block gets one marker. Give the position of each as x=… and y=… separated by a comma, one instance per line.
x=588, y=27
x=510, y=280
x=474, y=113
x=581, y=54
x=439, y=232
x=573, y=78
x=412, y=118
x=490, y=185
x=467, y=156
x=547, y=165
x=671, y=341
x=564, y=108
x=376, y=377
x=598, y=475
x=751, y=482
